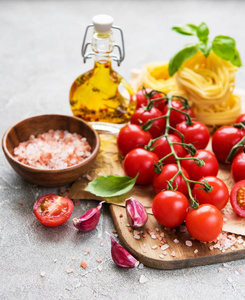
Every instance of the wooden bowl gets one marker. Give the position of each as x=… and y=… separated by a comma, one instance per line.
x=21, y=132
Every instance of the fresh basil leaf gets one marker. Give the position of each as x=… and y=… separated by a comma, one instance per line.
x=205, y=48
x=188, y=29
x=236, y=61
x=202, y=32
x=111, y=186
x=224, y=47
x=177, y=60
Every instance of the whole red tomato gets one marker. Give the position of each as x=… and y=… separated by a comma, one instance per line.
x=141, y=116
x=197, y=134
x=130, y=137
x=140, y=161
x=238, y=167
x=204, y=223
x=224, y=139
x=53, y=210
x=237, y=198
x=162, y=148
x=160, y=181
x=217, y=196
x=170, y=208
x=240, y=119
x=145, y=95
x=210, y=168
x=175, y=116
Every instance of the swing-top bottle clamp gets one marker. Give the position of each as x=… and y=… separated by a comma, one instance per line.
x=116, y=58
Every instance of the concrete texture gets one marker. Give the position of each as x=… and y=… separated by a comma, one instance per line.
x=40, y=45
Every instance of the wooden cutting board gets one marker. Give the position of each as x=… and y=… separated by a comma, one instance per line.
x=182, y=250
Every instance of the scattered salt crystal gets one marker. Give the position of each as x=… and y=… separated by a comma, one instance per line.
x=162, y=234
x=137, y=237
x=239, y=270
x=165, y=253
x=157, y=229
x=99, y=267
x=229, y=279
x=140, y=266
x=143, y=279
x=68, y=271
x=161, y=256
x=99, y=259
x=87, y=251
x=164, y=247
x=176, y=241
x=220, y=270
x=154, y=247
x=195, y=251
x=173, y=254
x=188, y=243
x=153, y=236
x=42, y=274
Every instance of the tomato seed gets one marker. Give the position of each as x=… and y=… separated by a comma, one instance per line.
x=240, y=197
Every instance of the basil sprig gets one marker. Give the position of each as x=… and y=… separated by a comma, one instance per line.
x=223, y=46
x=111, y=186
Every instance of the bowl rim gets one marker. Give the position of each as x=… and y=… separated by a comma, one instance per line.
x=33, y=169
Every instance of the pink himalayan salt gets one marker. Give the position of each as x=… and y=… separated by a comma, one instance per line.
x=53, y=150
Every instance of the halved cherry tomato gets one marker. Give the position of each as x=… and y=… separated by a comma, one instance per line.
x=162, y=148
x=140, y=161
x=196, y=172
x=161, y=181
x=224, y=139
x=197, y=134
x=170, y=208
x=130, y=137
x=141, y=116
x=217, y=196
x=237, y=198
x=204, y=223
x=53, y=210
x=238, y=167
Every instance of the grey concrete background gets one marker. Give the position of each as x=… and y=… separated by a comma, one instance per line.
x=40, y=45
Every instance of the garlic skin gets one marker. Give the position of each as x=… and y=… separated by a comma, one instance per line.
x=89, y=220
x=136, y=213
x=121, y=256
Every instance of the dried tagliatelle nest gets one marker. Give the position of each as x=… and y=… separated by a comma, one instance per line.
x=207, y=83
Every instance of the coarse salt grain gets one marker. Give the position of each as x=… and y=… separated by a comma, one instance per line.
x=176, y=241
x=154, y=247
x=164, y=247
x=188, y=243
x=55, y=149
x=143, y=279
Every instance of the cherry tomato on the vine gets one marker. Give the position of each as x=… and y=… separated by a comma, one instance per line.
x=196, y=172
x=145, y=95
x=53, y=210
x=175, y=116
x=240, y=119
x=161, y=181
x=141, y=116
x=217, y=196
x=204, y=223
x=223, y=141
x=140, y=161
x=238, y=167
x=162, y=148
x=237, y=198
x=197, y=134
x=170, y=208
x=130, y=137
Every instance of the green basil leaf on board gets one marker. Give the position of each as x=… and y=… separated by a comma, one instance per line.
x=224, y=47
x=188, y=29
x=178, y=59
x=202, y=32
x=111, y=186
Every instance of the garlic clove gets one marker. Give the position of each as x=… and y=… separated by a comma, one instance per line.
x=136, y=213
x=121, y=256
x=89, y=220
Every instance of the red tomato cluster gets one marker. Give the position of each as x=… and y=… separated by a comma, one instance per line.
x=158, y=146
